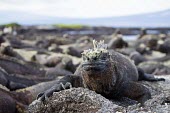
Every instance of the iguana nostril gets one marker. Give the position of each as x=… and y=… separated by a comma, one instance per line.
x=88, y=59
x=95, y=58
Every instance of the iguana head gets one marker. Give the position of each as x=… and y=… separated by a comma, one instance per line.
x=97, y=58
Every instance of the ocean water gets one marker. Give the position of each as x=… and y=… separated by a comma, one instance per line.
x=130, y=37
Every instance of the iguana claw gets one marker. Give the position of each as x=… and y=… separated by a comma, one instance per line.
x=58, y=87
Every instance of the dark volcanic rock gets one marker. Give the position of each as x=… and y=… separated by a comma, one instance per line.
x=74, y=52
x=156, y=68
x=164, y=46
x=117, y=42
x=74, y=100
x=67, y=64
x=2, y=40
x=84, y=100
x=8, y=50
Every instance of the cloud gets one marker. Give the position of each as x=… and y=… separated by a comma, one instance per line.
x=84, y=8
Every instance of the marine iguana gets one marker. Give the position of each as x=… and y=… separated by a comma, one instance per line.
x=108, y=73
x=18, y=101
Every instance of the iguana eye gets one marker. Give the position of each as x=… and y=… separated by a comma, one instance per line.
x=85, y=58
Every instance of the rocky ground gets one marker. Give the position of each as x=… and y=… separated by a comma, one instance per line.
x=77, y=100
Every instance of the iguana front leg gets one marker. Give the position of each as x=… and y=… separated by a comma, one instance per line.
x=65, y=83
x=56, y=88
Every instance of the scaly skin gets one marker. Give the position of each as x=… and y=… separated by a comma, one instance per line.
x=22, y=68
x=18, y=101
x=108, y=73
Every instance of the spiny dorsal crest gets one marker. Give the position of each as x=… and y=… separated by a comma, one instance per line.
x=99, y=48
x=99, y=45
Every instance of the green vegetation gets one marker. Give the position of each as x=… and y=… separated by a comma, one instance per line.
x=70, y=26
x=11, y=25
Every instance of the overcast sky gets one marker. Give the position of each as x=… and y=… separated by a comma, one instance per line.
x=84, y=8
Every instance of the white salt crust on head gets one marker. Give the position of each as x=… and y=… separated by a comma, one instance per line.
x=99, y=47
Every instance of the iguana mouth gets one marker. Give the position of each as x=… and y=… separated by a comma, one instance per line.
x=96, y=66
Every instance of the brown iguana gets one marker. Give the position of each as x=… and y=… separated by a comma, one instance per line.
x=108, y=73
x=18, y=101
